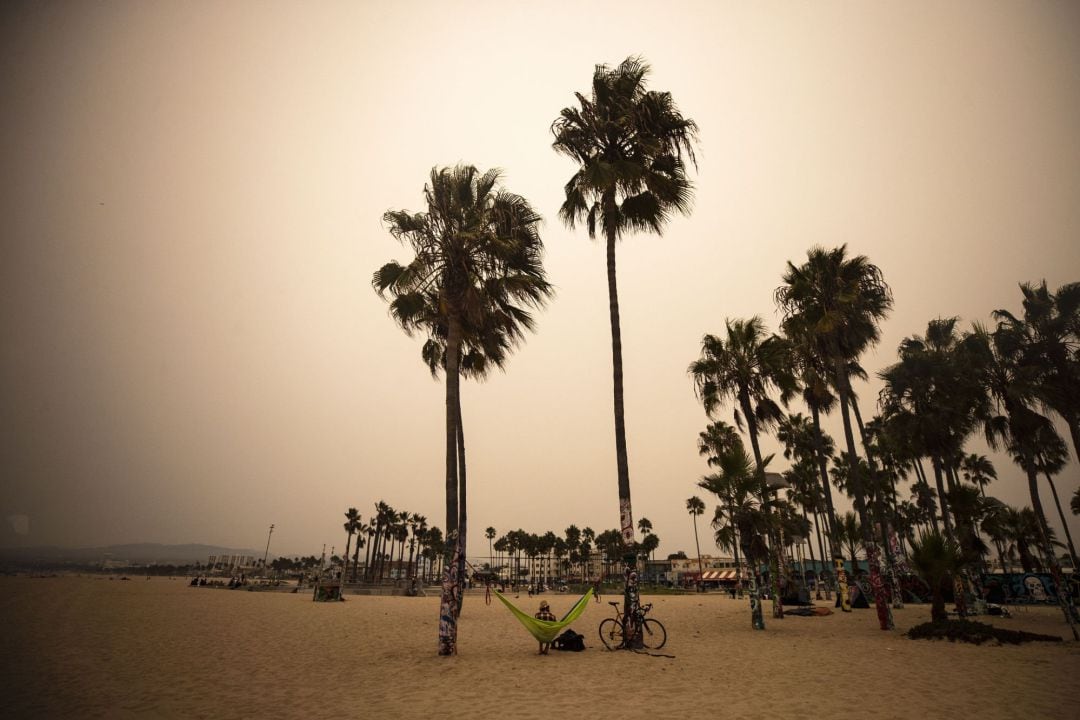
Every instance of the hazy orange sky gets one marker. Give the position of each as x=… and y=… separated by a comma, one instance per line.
x=191, y=207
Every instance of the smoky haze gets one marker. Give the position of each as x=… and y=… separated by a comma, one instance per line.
x=191, y=202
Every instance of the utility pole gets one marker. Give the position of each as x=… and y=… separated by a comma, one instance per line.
x=267, y=552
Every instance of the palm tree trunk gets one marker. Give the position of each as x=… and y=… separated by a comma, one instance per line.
x=1074, y=432
x=345, y=561
x=820, y=570
x=448, y=602
x=774, y=546
x=463, y=525
x=367, y=558
x=1061, y=515
x=826, y=487
x=701, y=570
x=1063, y=596
x=881, y=603
x=356, y=556
x=943, y=501
x=879, y=510
x=735, y=548
x=626, y=516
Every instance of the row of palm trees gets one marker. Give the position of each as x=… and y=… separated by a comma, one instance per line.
x=1008, y=382
x=571, y=552
x=477, y=271
x=390, y=531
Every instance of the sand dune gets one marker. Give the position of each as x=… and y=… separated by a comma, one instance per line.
x=90, y=647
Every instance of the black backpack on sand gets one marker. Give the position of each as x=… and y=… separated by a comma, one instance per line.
x=569, y=640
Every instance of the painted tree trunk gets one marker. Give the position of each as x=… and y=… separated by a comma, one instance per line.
x=449, y=602
x=842, y=587
x=757, y=617
x=463, y=525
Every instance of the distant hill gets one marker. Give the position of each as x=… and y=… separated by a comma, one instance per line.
x=142, y=553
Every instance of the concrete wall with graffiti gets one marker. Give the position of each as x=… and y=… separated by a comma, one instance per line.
x=1037, y=588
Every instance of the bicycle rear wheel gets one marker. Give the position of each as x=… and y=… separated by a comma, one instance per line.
x=653, y=634
x=611, y=634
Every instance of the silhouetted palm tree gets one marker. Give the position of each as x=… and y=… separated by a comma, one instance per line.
x=696, y=507
x=630, y=144
x=352, y=524
x=840, y=301
x=477, y=269
x=1012, y=384
x=745, y=367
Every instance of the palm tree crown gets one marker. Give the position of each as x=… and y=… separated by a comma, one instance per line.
x=630, y=143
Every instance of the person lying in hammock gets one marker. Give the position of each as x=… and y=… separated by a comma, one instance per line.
x=545, y=614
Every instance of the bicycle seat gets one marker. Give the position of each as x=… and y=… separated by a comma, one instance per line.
x=613, y=604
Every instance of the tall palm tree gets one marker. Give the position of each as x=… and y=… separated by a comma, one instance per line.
x=1012, y=385
x=476, y=272
x=745, y=367
x=839, y=302
x=361, y=533
x=631, y=145
x=735, y=483
x=490, y=533
x=352, y=524
x=813, y=375
x=934, y=386
x=696, y=507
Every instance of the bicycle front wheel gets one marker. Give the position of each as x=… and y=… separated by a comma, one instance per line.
x=653, y=634
x=611, y=634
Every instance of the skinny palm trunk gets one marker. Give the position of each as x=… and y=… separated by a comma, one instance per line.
x=448, y=601
x=701, y=570
x=882, y=516
x=1063, y=596
x=1074, y=432
x=943, y=501
x=826, y=487
x=463, y=525
x=735, y=545
x=345, y=561
x=774, y=546
x=1061, y=515
x=626, y=516
x=881, y=603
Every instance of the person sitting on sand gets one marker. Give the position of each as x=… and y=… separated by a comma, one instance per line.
x=544, y=614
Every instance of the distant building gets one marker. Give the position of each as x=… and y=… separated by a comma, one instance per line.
x=686, y=571
x=230, y=563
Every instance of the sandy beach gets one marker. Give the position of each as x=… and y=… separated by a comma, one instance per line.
x=91, y=647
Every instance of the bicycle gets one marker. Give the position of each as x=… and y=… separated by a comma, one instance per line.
x=613, y=630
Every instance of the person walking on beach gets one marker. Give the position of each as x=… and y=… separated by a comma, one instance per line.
x=596, y=589
x=544, y=614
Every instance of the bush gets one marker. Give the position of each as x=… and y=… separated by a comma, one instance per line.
x=974, y=632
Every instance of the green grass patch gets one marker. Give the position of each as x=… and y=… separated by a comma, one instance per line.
x=974, y=632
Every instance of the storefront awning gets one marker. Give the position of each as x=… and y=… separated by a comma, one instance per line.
x=716, y=575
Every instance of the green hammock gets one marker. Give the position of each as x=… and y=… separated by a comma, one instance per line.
x=547, y=630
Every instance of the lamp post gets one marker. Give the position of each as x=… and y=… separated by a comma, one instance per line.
x=267, y=552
